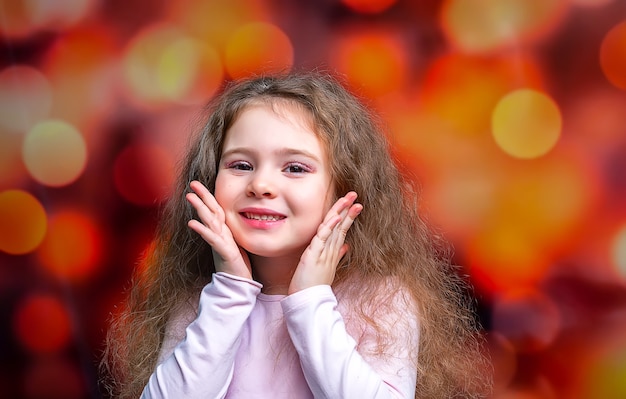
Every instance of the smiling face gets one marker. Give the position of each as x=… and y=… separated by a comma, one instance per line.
x=273, y=180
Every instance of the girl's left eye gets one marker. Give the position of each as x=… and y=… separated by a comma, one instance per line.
x=296, y=168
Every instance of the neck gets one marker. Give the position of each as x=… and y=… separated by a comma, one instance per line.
x=274, y=273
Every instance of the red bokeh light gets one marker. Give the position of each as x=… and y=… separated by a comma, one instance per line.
x=42, y=323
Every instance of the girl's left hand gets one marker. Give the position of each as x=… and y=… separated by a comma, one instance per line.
x=319, y=261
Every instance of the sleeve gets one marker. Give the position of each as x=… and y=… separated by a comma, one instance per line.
x=201, y=365
x=332, y=365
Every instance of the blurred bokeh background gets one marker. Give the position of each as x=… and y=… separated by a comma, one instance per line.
x=509, y=114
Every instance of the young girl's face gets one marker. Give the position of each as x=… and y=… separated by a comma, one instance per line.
x=273, y=180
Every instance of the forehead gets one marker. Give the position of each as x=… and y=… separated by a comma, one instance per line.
x=264, y=120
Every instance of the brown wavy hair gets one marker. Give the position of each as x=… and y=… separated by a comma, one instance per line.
x=388, y=240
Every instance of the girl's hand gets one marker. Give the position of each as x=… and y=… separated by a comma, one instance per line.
x=319, y=261
x=227, y=255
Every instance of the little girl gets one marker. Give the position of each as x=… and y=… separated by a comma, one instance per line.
x=269, y=280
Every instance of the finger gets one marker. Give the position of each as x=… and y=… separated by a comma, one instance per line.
x=336, y=240
x=205, y=195
x=342, y=203
x=211, y=219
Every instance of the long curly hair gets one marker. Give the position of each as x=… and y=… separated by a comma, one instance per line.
x=389, y=240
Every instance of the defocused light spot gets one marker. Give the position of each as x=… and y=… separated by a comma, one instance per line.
x=529, y=223
x=494, y=24
x=23, y=222
x=369, y=6
x=613, y=55
x=42, y=324
x=54, y=153
x=143, y=173
x=619, y=251
x=528, y=319
x=72, y=248
x=162, y=64
x=226, y=17
x=258, y=47
x=462, y=198
x=60, y=14
x=501, y=257
x=25, y=98
x=12, y=170
x=526, y=124
x=21, y=18
x=462, y=91
x=82, y=65
x=373, y=62
x=53, y=377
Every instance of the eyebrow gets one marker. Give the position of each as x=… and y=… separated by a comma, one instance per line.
x=280, y=152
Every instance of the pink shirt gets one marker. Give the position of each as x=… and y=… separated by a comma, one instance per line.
x=246, y=344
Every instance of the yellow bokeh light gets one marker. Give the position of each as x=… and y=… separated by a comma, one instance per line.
x=54, y=153
x=163, y=65
x=526, y=124
x=488, y=25
x=25, y=98
x=613, y=55
x=619, y=251
x=258, y=47
x=23, y=222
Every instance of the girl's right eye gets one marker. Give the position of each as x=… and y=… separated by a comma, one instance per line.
x=239, y=165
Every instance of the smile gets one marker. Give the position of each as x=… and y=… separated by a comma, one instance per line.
x=270, y=218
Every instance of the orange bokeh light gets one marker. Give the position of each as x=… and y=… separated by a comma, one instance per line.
x=258, y=47
x=462, y=90
x=23, y=222
x=613, y=55
x=72, y=248
x=42, y=323
x=530, y=223
x=374, y=63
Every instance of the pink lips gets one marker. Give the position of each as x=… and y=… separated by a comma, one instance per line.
x=261, y=218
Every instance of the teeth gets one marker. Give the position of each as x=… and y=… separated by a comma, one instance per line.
x=271, y=218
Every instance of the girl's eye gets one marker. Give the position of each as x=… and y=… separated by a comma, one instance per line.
x=239, y=165
x=296, y=168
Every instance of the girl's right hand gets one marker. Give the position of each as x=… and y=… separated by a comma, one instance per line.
x=227, y=255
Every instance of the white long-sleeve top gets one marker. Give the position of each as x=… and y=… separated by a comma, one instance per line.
x=246, y=344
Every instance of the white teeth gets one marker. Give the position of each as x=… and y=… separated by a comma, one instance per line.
x=271, y=218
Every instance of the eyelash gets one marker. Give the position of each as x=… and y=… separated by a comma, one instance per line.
x=246, y=166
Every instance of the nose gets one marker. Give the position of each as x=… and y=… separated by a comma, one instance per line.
x=261, y=186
